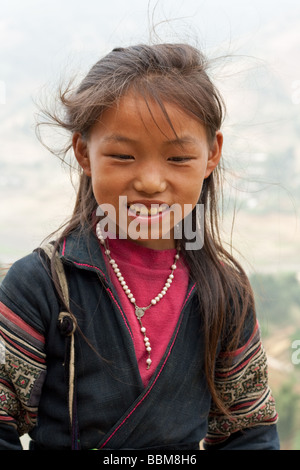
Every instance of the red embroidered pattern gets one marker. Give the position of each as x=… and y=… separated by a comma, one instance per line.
x=244, y=387
x=22, y=372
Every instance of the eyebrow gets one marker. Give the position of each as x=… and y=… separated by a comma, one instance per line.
x=186, y=139
x=118, y=138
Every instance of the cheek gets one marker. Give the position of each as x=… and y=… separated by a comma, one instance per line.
x=99, y=188
x=188, y=201
x=196, y=184
x=101, y=182
x=107, y=190
x=191, y=189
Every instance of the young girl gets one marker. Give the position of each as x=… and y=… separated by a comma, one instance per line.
x=125, y=335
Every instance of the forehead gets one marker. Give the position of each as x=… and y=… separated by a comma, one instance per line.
x=134, y=114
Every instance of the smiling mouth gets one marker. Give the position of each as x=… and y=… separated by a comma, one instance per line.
x=140, y=210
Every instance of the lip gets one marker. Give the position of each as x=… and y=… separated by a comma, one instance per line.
x=147, y=202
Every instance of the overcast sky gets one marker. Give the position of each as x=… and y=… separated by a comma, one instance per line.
x=39, y=35
x=39, y=39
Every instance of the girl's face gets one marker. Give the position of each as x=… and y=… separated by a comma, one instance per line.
x=133, y=152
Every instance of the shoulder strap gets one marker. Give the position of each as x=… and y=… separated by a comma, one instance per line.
x=67, y=325
x=48, y=249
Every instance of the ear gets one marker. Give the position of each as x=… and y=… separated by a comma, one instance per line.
x=215, y=153
x=81, y=152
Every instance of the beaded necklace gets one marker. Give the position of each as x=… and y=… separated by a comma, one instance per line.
x=139, y=311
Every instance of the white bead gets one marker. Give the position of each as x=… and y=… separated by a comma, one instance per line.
x=157, y=299
x=123, y=283
x=167, y=284
x=170, y=280
x=107, y=252
x=130, y=296
x=148, y=349
x=112, y=261
x=153, y=301
x=177, y=256
x=119, y=275
x=164, y=289
x=132, y=300
x=147, y=344
x=160, y=295
x=171, y=276
x=115, y=265
x=127, y=291
x=146, y=339
x=173, y=266
x=102, y=242
x=149, y=361
x=124, y=286
x=121, y=278
x=163, y=292
x=143, y=329
x=117, y=270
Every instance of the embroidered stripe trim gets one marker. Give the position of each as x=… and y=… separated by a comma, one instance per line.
x=22, y=373
x=244, y=387
x=16, y=323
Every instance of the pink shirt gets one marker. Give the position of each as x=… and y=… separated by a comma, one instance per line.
x=145, y=271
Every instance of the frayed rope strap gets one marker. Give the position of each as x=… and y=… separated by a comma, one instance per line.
x=67, y=325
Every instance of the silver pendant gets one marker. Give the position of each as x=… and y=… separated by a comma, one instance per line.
x=140, y=312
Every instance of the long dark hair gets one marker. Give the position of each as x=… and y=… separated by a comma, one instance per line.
x=177, y=74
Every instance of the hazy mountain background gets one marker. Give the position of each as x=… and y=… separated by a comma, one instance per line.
x=259, y=75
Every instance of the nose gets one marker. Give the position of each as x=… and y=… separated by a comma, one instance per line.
x=150, y=179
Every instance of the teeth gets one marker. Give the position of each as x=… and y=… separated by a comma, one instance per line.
x=153, y=211
x=143, y=210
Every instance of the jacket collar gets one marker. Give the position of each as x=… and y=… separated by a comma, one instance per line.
x=81, y=248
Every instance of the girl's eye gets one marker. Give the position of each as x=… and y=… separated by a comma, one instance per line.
x=125, y=157
x=122, y=157
x=180, y=159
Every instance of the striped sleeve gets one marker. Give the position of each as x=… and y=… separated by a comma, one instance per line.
x=22, y=371
x=243, y=384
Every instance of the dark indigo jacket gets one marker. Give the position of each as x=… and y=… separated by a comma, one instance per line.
x=115, y=411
